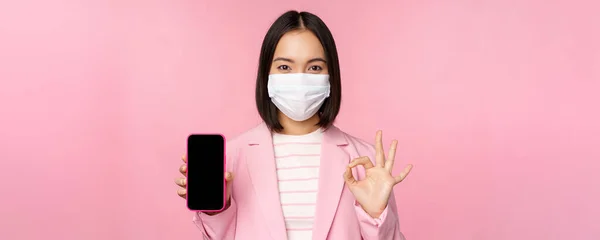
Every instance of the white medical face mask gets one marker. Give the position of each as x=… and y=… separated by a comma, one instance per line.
x=298, y=95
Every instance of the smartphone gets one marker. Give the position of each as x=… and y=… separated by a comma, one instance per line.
x=206, y=172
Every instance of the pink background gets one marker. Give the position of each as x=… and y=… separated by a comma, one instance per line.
x=493, y=101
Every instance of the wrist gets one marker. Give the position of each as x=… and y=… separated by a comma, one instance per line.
x=227, y=205
x=372, y=213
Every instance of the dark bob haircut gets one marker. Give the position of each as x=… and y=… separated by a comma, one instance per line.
x=289, y=21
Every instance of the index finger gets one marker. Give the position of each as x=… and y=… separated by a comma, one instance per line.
x=184, y=158
x=379, y=157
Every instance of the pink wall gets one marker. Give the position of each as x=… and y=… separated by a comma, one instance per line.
x=493, y=101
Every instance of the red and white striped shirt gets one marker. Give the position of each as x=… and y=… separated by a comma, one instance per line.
x=298, y=158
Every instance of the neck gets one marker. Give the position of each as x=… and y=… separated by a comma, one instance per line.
x=291, y=127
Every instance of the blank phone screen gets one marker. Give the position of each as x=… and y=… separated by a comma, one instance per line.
x=205, y=172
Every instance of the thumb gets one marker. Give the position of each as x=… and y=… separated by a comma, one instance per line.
x=228, y=180
x=228, y=177
x=348, y=178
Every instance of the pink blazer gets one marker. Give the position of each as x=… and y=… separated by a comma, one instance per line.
x=255, y=211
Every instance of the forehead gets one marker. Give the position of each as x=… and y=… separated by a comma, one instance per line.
x=299, y=44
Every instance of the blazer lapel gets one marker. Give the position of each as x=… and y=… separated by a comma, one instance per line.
x=333, y=164
x=263, y=173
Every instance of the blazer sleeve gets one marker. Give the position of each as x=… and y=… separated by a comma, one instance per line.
x=387, y=226
x=221, y=226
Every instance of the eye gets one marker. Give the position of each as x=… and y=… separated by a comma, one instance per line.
x=315, y=68
x=284, y=68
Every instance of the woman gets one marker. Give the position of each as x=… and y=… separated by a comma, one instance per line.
x=295, y=175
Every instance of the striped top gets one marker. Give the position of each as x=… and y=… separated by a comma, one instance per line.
x=298, y=158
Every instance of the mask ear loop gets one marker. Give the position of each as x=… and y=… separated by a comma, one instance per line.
x=320, y=112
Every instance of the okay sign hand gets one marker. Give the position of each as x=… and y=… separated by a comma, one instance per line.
x=373, y=192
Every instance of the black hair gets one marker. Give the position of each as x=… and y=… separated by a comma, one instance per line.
x=289, y=21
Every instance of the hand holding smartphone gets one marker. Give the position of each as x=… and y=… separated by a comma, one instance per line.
x=208, y=186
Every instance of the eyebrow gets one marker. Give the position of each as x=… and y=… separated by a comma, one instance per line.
x=292, y=61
